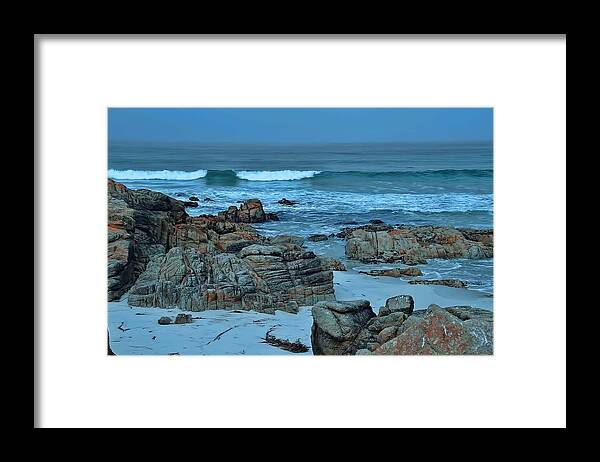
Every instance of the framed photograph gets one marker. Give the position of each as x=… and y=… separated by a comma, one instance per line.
x=298, y=223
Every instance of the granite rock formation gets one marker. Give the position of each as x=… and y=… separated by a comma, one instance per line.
x=259, y=277
x=351, y=328
x=410, y=244
x=449, y=331
x=167, y=258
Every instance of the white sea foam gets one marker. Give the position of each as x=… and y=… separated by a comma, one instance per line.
x=155, y=174
x=279, y=175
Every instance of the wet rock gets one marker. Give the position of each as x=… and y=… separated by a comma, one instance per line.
x=208, y=199
x=456, y=283
x=163, y=321
x=190, y=204
x=317, y=237
x=346, y=233
x=394, y=272
x=287, y=202
x=376, y=222
x=193, y=198
x=250, y=211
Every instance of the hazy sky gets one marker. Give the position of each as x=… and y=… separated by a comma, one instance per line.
x=300, y=125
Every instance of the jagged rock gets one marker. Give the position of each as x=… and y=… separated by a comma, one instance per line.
x=288, y=202
x=193, y=198
x=451, y=331
x=250, y=211
x=260, y=277
x=383, y=243
x=190, y=204
x=317, y=237
x=183, y=318
x=441, y=282
x=138, y=223
x=163, y=321
x=206, y=262
x=333, y=264
x=337, y=324
x=394, y=272
x=143, y=224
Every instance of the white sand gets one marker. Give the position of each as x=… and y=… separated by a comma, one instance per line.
x=351, y=285
x=197, y=338
x=249, y=327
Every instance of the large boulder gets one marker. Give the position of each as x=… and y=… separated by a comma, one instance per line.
x=451, y=331
x=337, y=324
x=411, y=244
x=401, y=303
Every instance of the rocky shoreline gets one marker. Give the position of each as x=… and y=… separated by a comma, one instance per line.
x=163, y=258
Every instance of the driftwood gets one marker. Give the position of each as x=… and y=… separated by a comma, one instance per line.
x=219, y=336
x=284, y=344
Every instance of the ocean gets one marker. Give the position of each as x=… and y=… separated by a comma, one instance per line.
x=336, y=185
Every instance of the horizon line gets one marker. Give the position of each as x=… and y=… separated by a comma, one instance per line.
x=291, y=142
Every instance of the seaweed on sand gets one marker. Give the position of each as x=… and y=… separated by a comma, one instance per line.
x=284, y=344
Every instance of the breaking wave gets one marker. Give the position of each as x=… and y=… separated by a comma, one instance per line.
x=279, y=175
x=155, y=174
